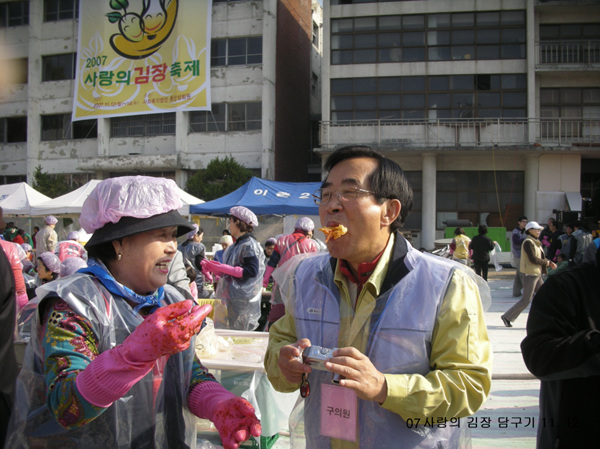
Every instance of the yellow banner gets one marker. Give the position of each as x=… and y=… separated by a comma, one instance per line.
x=142, y=56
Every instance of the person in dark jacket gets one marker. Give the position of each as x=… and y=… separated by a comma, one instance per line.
x=481, y=245
x=554, y=233
x=8, y=361
x=562, y=349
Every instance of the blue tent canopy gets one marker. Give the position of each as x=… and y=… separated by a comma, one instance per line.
x=265, y=198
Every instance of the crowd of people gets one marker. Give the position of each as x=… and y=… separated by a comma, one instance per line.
x=114, y=318
x=539, y=252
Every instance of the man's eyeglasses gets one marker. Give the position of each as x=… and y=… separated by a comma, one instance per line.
x=323, y=196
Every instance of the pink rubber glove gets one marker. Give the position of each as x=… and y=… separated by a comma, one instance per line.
x=167, y=331
x=221, y=268
x=207, y=276
x=21, y=301
x=233, y=416
x=267, y=275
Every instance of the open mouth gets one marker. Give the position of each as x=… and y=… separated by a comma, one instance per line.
x=164, y=266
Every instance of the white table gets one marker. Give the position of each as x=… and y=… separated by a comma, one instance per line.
x=240, y=369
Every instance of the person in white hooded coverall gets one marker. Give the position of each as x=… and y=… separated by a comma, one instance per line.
x=240, y=284
x=111, y=361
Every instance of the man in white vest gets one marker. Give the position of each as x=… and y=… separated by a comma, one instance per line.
x=405, y=347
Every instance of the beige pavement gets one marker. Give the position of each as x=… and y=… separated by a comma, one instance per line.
x=509, y=417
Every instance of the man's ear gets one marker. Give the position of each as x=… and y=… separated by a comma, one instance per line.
x=390, y=211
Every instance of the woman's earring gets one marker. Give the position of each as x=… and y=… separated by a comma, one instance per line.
x=119, y=256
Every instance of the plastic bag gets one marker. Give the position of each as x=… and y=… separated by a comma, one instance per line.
x=208, y=343
x=494, y=256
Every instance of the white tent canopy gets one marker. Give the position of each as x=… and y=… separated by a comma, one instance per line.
x=187, y=200
x=72, y=202
x=69, y=203
x=20, y=198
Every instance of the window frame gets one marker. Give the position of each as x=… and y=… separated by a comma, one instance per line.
x=412, y=39
x=406, y=91
x=208, y=121
x=17, y=18
x=60, y=10
x=67, y=130
x=48, y=73
x=222, y=56
x=147, y=125
x=11, y=129
x=476, y=192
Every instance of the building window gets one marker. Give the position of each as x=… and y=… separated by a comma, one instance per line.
x=14, y=14
x=569, y=43
x=437, y=97
x=60, y=10
x=13, y=129
x=466, y=195
x=315, y=34
x=428, y=37
x=143, y=125
x=60, y=127
x=569, y=31
x=238, y=51
x=12, y=179
x=227, y=117
x=573, y=106
x=58, y=67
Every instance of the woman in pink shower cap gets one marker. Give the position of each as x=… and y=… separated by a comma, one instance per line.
x=111, y=360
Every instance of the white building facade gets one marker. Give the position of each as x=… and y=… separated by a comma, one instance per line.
x=40, y=38
x=491, y=108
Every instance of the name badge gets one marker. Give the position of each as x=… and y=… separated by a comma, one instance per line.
x=339, y=412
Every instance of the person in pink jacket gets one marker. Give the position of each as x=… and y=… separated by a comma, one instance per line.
x=15, y=262
x=297, y=242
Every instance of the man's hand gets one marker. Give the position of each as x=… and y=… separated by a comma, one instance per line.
x=359, y=374
x=290, y=361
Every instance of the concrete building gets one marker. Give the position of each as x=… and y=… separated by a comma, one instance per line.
x=261, y=76
x=492, y=108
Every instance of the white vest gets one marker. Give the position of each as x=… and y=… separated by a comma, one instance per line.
x=401, y=330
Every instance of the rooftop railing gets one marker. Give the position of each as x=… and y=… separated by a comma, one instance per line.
x=462, y=132
x=575, y=52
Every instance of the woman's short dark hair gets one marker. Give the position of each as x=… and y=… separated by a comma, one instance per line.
x=54, y=275
x=387, y=181
x=243, y=227
x=482, y=229
x=104, y=252
x=459, y=231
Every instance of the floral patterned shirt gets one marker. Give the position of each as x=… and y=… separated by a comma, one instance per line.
x=69, y=346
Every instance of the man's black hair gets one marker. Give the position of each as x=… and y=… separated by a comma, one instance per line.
x=387, y=181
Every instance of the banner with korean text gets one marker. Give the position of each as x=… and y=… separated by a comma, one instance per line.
x=142, y=56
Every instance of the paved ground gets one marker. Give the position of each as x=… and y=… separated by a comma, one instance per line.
x=509, y=418
x=512, y=407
